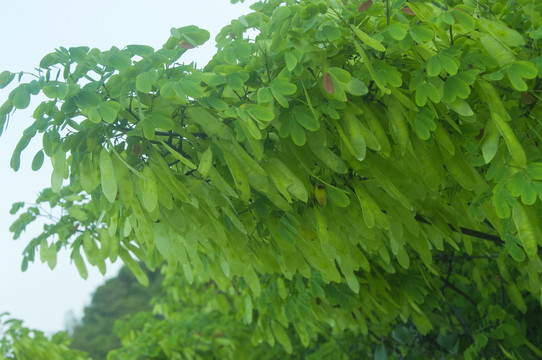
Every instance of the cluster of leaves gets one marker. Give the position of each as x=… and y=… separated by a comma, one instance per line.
x=117, y=297
x=204, y=322
x=357, y=167
x=20, y=343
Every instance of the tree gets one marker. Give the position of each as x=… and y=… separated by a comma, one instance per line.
x=20, y=343
x=355, y=168
x=116, y=298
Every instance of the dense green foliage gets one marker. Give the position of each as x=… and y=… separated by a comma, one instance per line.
x=366, y=170
x=20, y=343
x=117, y=297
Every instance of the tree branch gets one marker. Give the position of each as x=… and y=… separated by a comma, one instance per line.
x=474, y=233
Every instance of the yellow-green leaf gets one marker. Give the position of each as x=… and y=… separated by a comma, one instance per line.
x=150, y=191
x=366, y=39
x=107, y=174
x=525, y=229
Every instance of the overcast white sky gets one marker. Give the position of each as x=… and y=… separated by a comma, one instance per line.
x=29, y=29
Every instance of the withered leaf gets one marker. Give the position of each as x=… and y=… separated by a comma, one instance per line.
x=365, y=5
x=186, y=45
x=328, y=84
x=408, y=11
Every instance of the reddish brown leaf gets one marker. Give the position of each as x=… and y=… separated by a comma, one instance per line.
x=365, y=5
x=137, y=150
x=527, y=98
x=408, y=11
x=186, y=45
x=328, y=84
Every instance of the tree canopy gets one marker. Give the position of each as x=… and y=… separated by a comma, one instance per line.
x=118, y=297
x=344, y=167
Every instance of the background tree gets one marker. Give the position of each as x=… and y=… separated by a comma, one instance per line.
x=117, y=297
x=368, y=168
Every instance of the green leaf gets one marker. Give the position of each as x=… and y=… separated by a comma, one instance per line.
x=455, y=87
x=15, y=207
x=402, y=335
x=59, y=166
x=192, y=34
x=261, y=113
x=515, y=296
x=380, y=352
x=421, y=34
x=59, y=91
x=283, y=86
x=356, y=87
x=37, y=161
x=21, y=96
x=490, y=142
x=397, y=31
x=449, y=64
x=433, y=66
x=461, y=107
x=297, y=133
x=140, y=50
x=421, y=129
x=501, y=31
x=5, y=78
x=21, y=145
x=210, y=124
x=145, y=81
x=290, y=60
x=206, y=161
x=51, y=257
x=534, y=171
x=353, y=136
x=191, y=88
x=217, y=103
x=341, y=75
x=519, y=70
x=162, y=238
x=50, y=60
x=514, y=147
x=462, y=16
x=496, y=50
x=80, y=264
x=161, y=121
x=367, y=40
x=305, y=118
x=447, y=17
x=426, y=90
x=150, y=191
x=108, y=111
x=86, y=99
x=107, y=174
x=264, y=95
x=281, y=336
x=528, y=193
x=516, y=80
x=338, y=196
x=178, y=156
x=525, y=229
x=511, y=243
x=133, y=266
x=279, y=97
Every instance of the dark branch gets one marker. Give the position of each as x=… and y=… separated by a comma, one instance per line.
x=474, y=233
